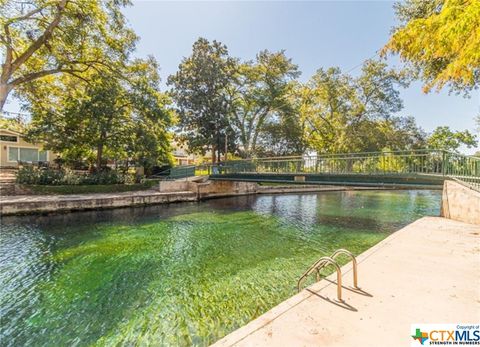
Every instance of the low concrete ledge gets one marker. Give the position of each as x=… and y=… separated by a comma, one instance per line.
x=460, y=203
x=60, y=203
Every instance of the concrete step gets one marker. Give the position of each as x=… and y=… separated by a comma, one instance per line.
x=7, y=189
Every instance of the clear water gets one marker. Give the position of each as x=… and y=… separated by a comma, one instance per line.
x=182, y=274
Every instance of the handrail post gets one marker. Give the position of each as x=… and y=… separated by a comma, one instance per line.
x=354, y=263
x=319, y=264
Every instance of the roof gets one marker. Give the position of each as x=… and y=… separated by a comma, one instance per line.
x=10, y=131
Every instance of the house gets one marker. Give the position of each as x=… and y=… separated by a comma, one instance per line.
x=14, y=149
x=182, y=157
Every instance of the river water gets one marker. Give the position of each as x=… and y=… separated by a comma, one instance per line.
x=180, y=274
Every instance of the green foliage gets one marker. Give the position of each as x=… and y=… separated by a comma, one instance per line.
x=200, y=91
x=33, y=175
x=260, y=98
x=13, y=124
x=339, y=113
x=43, y=41
x=121, y=118
x=89, y=189
x=440, y=41
x=45, y=176
x=444, y=138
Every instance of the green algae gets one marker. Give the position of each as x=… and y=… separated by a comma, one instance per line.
x=186, y=278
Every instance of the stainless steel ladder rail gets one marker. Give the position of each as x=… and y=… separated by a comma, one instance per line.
x=325, y=261
x=322, y=262
x=354, y=263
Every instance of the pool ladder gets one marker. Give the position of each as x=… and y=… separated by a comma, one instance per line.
x=325, y=261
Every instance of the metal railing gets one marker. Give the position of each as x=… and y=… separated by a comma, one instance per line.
x=176, y=172
x=438, y=163
x=465, y=169
x=325, y=261
x=321, y=263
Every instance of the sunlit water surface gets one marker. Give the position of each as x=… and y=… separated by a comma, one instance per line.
x=182, y=274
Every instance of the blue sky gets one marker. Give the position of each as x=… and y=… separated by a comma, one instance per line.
x=314, y=34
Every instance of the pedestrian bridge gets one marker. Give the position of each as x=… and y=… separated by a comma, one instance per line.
x=415, y=168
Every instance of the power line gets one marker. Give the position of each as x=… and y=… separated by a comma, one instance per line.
x=358, y=65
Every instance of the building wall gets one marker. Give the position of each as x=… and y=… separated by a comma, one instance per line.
x=5, y=161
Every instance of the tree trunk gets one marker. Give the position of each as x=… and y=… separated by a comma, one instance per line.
x=214, y=155
x=99, y=155
x=4, y=91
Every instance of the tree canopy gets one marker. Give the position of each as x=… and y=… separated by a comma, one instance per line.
x=340, y=113
x=260, y=92
x=123, y=118
x=446, y=139
x=440, y=40
x=44, y=39
x=200, y=90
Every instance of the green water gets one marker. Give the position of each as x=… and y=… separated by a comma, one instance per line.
x=182, y=274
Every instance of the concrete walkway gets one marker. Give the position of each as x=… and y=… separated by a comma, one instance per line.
x=427, y=272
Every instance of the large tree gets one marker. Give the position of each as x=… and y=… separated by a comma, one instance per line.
x=200, y=90
x=260, y=94
x=340, y=113
x=445, y=138
x=41, y=39
x=440, y=41
x=125, y=118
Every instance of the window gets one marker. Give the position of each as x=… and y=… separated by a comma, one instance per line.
x=12, y=153
x=8, y=138
x=28, y=154
x=42, y=156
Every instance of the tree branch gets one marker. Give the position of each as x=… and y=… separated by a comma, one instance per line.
x=27, y=16
x=39, y=74
x=42, y=39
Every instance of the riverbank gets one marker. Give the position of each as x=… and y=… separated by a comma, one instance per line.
x=32, y=204
x=427, y=272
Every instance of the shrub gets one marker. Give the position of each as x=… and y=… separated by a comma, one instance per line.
x=33, y=175
x=46, y=176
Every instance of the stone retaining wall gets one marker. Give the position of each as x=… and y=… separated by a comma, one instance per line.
x=460, y=203
x=62, y=203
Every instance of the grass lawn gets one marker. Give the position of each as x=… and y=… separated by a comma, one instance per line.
x=90, y=188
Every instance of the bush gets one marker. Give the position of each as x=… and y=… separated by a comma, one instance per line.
x=46, y=176
x=43, y=176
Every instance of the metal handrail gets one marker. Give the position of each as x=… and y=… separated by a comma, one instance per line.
x=354, y=263
x=322, y=262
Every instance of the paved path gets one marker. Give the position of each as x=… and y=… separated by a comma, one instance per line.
x=427, y=272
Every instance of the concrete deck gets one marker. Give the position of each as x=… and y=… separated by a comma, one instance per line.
x=427, y=272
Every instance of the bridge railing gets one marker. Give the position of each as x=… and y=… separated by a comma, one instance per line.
x=465, y=169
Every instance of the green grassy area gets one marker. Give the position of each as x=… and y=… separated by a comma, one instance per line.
x=91, y=188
